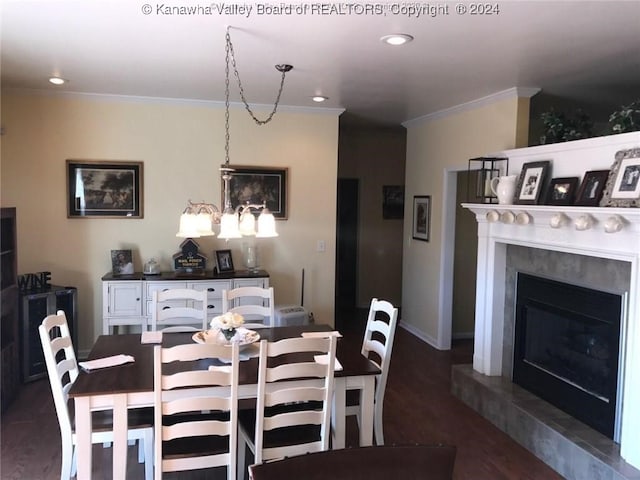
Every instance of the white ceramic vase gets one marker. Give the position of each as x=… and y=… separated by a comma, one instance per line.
x=504, y=188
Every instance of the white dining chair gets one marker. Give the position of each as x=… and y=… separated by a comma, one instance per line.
x=195, y=422
x=179, y=307
x=62, y=368
x=289, y=418
x=376, y=346
x=255, y=304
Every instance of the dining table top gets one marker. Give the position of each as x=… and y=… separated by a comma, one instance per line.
x=137, y=376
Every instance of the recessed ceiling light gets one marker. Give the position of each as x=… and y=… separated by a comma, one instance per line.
x=319, y=98
x=57, y=80
x=396, y=39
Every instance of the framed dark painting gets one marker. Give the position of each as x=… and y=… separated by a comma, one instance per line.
x=392, y=202
x=421, y=217
x=591, y=188
x=562, y=191
x=104, y=189
x=258, y=185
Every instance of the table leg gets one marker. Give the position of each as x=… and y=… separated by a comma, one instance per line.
x=338, y=410
x=83, y=436
x=367, y=410
x=120, y=428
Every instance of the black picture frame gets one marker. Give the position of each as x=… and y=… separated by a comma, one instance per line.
x=106, y=189
x=421, y=217
x=562, y=191
x=591, y=188
x=257, y=185
x=392, y=202
x=623, y=184
x=224, y=261
x=532, y=182
x=121, y=262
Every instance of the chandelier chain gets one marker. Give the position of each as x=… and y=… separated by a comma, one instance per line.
x=226, y=107
x=242, y=96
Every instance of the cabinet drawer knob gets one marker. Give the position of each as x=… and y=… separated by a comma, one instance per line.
x=211, y=289
x=165, y=289
x=166, y=308
x=210, y=306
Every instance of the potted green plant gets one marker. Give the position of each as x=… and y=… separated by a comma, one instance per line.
x=560, y=127
x=626, y=119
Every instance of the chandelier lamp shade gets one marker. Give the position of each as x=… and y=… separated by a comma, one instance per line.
x=197, y=219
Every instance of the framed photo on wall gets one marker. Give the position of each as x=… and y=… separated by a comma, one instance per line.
x=258, y=185
x=532, y=182
x=421, y=217
x=224, y=261
x=591, y=188
x=104, y=189
x=392, y=202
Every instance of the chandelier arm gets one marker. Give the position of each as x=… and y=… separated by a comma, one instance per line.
x=281, y=68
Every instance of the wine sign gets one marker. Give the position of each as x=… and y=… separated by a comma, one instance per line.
x=34, y=281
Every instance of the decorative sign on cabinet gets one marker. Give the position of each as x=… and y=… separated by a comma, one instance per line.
x=126, y=300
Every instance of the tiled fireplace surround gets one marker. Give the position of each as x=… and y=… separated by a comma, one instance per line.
x=591, y=258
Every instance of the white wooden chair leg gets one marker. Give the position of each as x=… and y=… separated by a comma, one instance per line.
x=241, y=455
x=68, y=461
x=377, y=426
x=148, y=455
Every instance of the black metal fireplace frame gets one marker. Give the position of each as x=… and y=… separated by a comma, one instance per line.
x=573, y=302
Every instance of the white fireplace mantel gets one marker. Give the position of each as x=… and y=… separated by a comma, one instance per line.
x=612, y=233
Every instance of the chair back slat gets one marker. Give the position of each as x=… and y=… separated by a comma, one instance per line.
x=255, y=304
x=179, y=307
x=194, y=396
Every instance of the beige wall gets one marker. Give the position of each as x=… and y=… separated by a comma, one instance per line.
x=376, y=157
x=182, y=147
x=434, y=147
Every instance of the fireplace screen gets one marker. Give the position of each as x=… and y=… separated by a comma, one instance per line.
x=567, y=348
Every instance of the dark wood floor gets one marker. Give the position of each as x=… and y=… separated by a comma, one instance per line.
x=419, y=408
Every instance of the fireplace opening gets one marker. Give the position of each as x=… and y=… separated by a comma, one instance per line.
x=567, y=348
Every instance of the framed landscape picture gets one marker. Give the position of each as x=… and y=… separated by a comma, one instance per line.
x=104, y=189
x=258, y=185
x=421, y=217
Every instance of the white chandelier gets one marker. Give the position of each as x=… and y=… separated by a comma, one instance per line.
x=197, y=219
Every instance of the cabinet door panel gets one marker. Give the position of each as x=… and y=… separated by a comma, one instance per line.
x=125, y=299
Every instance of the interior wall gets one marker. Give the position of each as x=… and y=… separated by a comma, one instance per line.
x=182, y=147
x=434, y=146
x=375, y=156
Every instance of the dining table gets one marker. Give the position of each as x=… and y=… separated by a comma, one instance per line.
x=129, y=386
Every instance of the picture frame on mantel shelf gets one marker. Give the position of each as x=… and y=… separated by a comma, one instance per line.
x=121, y=262
x=105, y=189
x=562, y=191
x=421, y=217
x=258, y=185
x=532, y=182
x=623, y=183
x=224, y=261
x=591, y=188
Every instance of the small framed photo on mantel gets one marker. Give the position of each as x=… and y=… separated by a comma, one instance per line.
x=591, y=188
x=121, y=262
x=532, y=182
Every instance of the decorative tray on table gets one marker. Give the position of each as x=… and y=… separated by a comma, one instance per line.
x=243, y=337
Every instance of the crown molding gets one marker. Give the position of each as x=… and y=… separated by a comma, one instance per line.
x=514, y=92
x=104, y=97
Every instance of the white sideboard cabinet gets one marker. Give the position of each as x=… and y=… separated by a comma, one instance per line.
x=126, y=299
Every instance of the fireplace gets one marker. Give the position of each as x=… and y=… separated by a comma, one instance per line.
x=566, y=348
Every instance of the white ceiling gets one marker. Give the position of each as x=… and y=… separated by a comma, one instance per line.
x=584, y=51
